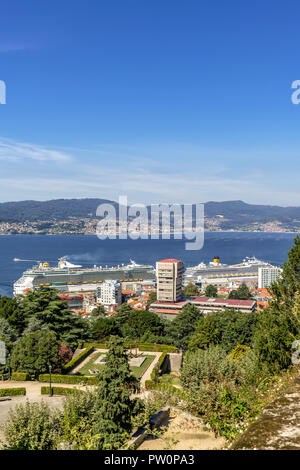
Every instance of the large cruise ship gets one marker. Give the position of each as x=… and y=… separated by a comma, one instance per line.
x=68, y=277
x=248, y=268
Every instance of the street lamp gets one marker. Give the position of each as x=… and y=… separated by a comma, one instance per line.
x=9, y=375
x=50, y=388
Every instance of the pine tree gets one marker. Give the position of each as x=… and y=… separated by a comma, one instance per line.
x=284, y=290
x=115, y=407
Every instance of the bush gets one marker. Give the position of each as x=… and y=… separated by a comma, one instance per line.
x=69, y=379
x=151, y=385
x=59, y=390
x=220, y=389
x=142, y=346
x=74, y=362
x=12, y=392
x=32, y=426
x=161, y=361
x=20, y=376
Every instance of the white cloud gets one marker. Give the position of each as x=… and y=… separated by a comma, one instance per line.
x=16, y=151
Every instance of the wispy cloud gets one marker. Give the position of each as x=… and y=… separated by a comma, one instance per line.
x=16, y=151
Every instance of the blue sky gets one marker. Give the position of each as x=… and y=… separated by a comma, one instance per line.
x=162, y=101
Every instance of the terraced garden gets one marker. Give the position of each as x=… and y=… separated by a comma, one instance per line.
x=92, y=365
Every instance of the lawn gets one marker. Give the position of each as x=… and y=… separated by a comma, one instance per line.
x=136, y=371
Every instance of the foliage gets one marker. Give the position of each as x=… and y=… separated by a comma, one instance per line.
x=116, y=385
x=211, y=291
x=31, y=427
x=103, y=328
x=45, y=305
x=140, y=322
x=241, y=293
x=9, y=310
x=35, y=351
x=152, y=298
x=273, y=338
x=219, y=389
x=20, y=376
x=60, y=390
x=74, y=362
x=179, y=331
x=228, y=328
x=190, y=290
x=65, y=353
x=11, y=392
x=68, y=379
x=283, y=291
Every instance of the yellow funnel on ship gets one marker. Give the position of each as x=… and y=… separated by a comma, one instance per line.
x=216, y=259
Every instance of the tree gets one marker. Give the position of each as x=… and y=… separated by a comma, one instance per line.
x=139, y=322
x=242, y=293
x=115, y=407
x=228, y=328
x=9, y=310
x=104, y=328
x=123, y=314
x=179, y=331
x=97, y=313
x=190, y=290
x=45, y=305
x=9, y=337
x=273, y=338
x=35, y=351
x=65, y=353
x=211, y=291
x=284, y=289
x=152, y=298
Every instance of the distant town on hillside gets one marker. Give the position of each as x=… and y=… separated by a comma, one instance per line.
x=78, y=216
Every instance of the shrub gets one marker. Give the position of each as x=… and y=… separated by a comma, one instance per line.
x=69, y=379
x=74, y=362
x=12, y=392
x=20, y=376
x=161, y=361
x=142, y=346
x=32, y=426
x=59, y=390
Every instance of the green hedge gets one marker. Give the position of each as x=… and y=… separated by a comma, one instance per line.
x=20, y=376
x=161, y=361
x=59, y=391
x=68, y=379
x=142, y=346
x=11, y=392
x=74, y=362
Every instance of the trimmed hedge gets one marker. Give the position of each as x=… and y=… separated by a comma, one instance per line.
x=12, y=392
x=20, y=376
x=161, y=361
x=59, y=391
x=142, y=346
x=74, y=362
x=68, y=379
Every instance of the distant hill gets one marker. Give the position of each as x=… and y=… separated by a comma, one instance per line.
x=56, y=209
x=227, y=215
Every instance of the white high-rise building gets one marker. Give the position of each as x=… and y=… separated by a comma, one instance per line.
x=109, y=293
x=266, y=276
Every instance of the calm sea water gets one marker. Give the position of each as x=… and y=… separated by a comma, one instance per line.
x=89, y=250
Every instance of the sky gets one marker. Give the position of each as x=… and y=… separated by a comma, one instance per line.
x=161, y=100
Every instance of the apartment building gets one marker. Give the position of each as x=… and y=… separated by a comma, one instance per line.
x=109, y=293
x=266, y=276
x=169, y=275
